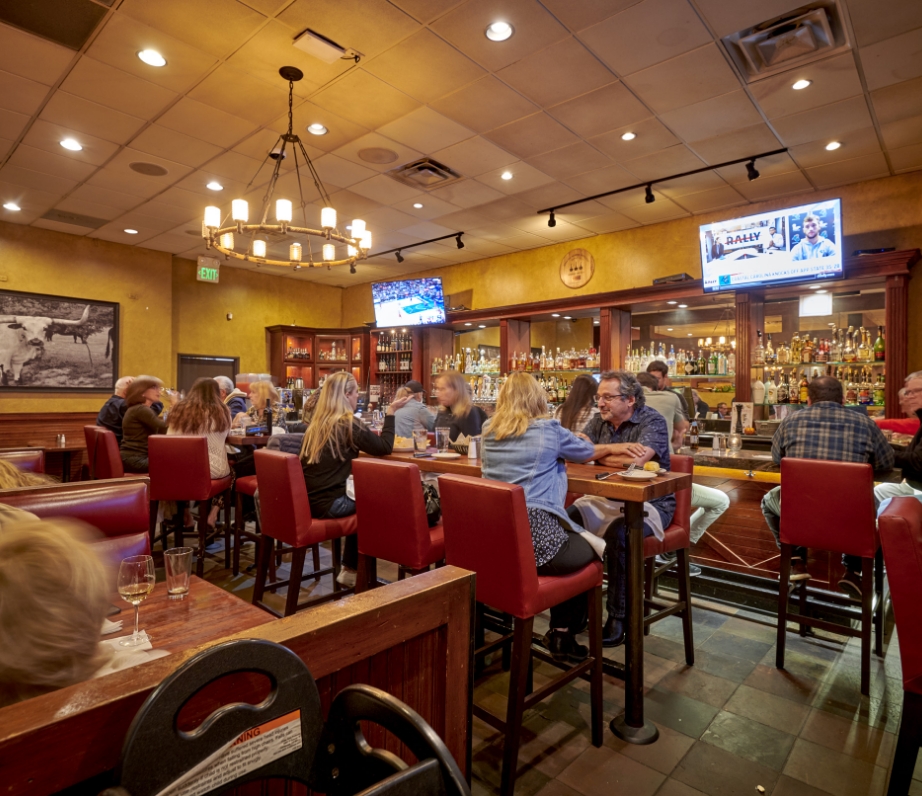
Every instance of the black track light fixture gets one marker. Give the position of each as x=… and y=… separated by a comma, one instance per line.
x=351, y=268
x=552, y=221
x=649, y=198
x=399, y=257
x=751, y=170
x=459, y=241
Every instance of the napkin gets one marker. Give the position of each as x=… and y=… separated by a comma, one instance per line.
x=109, y=627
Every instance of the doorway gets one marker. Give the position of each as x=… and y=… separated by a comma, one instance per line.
x=193, y=366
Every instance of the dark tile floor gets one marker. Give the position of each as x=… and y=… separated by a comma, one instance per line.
x=728, y=724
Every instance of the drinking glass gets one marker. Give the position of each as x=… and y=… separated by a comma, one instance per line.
x=420, y=440
x=442, y=440
x=178, y=564
x=135, y=581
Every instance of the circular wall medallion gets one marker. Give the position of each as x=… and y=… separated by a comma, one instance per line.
x=577, y=268
x=378, y=154
x=148, y=169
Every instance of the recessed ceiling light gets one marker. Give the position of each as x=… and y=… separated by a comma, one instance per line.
x=214, y=186
x=506, y=175
x=568, y=317
x=317, y=129
x=11, y=206
x=815, y=287
x=818, y=292
x=669, y=329
x=152, y=58
x=468, y=324
x=689, y=334
x=671, y=302
x=71, y=144
x=833, y=145
x=629, y=136
x=131, y=231
x=418, y=205
x=482, y=326
x=683, y=306
x=801, y=84
x=499, y=31
x=555, y=314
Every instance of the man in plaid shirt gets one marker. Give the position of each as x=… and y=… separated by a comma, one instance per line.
x=826, y=430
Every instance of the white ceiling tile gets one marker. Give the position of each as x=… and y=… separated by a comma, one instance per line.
x=165, y=210
x=650, y=134
x=674, y=160
x=646, y=34
x=104, y=84
x=124, y=181
x=341, y=173
x=373, y=141
x=833, y=79
x=662, y=209
x=532, y=135
x=872, y=22
x=525, y=240
x=714, y=199
x=234, y=91
x=104, y=196
x=82, y=116
x=426, y=10
x=601, y=180
x=365, y=99
x=384, y=189
x=694, y=183
x=506, y=209
x=426, y=229
x=892, y=60
x=524, y=178
x=577, y=16
x=866, y=167
x=29, y=56
x=907, y=158
x=205, y=122
x=426, y=131
x=239, y=168
x=173, y=145
x=340, y=130
x=146, y=227
x=351, y=205
x=50, y=163
x=738, y=144
x=432, y=207
x=32, y=201
x=20, y=94
x=12, y=124
x=27, y=178
x=123, y=160
x=484, y=105
x=6, y=146
x=569, y=161
x=730, y=16
x=554, y=193
x=494, y=231
x=474, y=156
x=905, y=132
x=463, y=219
x=57, y=226
x=262, y=142
x=854, y=144
x=608, y=222
x=608, y=108
x=898, y=101
x=47, y=136
x=388, y=219
x=828, y=123
x=88, y=208
x=186, y=203
x=715, y=116
x=773, y=166
x=467, y=193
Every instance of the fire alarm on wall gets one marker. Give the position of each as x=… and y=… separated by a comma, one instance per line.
x=230, y=316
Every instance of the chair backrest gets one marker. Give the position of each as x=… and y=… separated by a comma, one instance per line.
x=284, y=510
x=809, y=518
x=682, y=516
x=900, y=527
x=390, y=511
x=108, y=462
x=92, y=442
x=487, y=531
x=179, y=467
x=30, y=460
x=114, y=549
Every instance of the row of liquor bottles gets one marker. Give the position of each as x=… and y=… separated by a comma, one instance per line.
x=712, y=362
x=860, y=385
x=392, y=362
x=849, y=345
x=532, y=362
x=485, y=388
x=394, y=341
x=467, y=362
x=389, y=383
x=294, y=352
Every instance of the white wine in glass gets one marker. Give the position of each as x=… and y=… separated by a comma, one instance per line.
x=135, y=581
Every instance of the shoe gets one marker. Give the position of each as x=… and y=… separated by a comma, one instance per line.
x=666, y=559
x=693, y=570
x=799, y=570
x=346, y=577
x=563, y=646
x=850, y=584
x=613, y=632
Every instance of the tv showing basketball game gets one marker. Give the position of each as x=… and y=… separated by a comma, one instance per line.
x=797, y=244
x=411, y=302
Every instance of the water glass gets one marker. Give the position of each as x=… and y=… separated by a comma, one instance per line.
x=420, y=440
x=178, y=564
x=442, y=439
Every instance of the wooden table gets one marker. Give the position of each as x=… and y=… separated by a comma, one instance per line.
x=255, y=441
x=65, y=451
x=581, y=478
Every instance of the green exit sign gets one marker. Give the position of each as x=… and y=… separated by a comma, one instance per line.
x=208, y=270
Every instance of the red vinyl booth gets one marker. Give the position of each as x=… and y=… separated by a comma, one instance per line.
x=30, y=460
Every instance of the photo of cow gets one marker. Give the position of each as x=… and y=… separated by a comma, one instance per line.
x=53, y=343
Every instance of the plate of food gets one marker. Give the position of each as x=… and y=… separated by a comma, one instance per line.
x=446, y=455
x=639, y=475
x=403, y=445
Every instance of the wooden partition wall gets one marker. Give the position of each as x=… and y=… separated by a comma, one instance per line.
x=412, y=639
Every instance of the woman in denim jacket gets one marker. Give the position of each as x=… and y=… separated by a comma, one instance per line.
x=522, y=445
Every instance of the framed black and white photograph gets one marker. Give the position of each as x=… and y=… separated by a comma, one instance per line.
x=57, y=344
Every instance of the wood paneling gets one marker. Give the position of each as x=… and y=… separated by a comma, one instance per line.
x=897, y=355
x=514, y=337
x=614, y=337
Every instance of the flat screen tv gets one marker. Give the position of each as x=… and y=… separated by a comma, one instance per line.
x=797, y=244
x=411, y=302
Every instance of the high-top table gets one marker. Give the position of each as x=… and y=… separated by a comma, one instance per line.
x=581, y=479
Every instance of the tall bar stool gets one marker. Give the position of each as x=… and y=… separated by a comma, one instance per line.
x=676, y=539
x=180, y=470
x=487, y=531
x=392, y=521
x=247, y=485
x=92, y=443
x=900, y=527
x=286, y=518
x=844, y=525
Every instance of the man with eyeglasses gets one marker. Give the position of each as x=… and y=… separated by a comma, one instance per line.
x=909, y=460
x=639, y=434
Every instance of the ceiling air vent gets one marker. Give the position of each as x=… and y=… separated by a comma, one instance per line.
x=424, y=174
x=807, y=34
x=76, y=219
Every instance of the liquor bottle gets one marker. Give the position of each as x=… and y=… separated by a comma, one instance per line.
x=878, y=394
x=822, y=351
x=267, y=416
x=721, y=364
x=864, y=353
x=795, y=349
x=783, y=356
x=784, y=393
x=758, y=353
x=849, y=354
x=689, y=360
x=880, y=347
x=713, y=363
x=702, y=363
x=802, y=398
x=770, y=355
x=758, y=391
x=731, y=363
x=771, y=390
x=693, y=436
x=671, y=361
x=561, y=391
x=806, y=351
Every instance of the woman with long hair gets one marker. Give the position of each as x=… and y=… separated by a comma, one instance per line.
x=11, y=477
x=202, y=413
x=260, y=392
x=141, y=421
x=332, y=440
x=457, y=411
x=522, y=445
x=579, y=407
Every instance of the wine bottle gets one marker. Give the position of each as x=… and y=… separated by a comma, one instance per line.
x=880, y=346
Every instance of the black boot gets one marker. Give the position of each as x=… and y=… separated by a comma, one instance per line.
x=613, y=632
x=563, y=646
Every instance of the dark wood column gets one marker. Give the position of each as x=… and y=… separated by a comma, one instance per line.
x=750, y=317
x=897, y=322
x=435, y=343
x=514, y=337
x=614, y=337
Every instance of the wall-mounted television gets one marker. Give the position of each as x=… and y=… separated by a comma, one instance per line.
x=411, y=302
x=796, y=244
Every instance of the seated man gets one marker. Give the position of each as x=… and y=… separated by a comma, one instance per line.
x=641, y=435
x=234, y=399
x=113, y=410
x=723, y=411
x=902, y=425
x=826, y=430
x=909, y=460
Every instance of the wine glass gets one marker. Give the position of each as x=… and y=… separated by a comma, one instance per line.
x=135, y=581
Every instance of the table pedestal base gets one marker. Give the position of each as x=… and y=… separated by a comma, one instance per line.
x=635, y=735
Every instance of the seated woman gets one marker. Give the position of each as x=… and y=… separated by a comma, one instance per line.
x=141, y=421
x=332, y=440
x=260, y=392
x=456, y=410
x=522, y=445
x=579, y=407
x=202, y=414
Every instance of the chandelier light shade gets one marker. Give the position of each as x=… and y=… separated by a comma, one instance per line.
x=252, y=237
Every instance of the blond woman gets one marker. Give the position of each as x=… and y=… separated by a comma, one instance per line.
x=456, y=410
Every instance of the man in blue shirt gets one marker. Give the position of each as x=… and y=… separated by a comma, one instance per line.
x=113, y=410
x=813, y=245
x=826, y=430
x=641, y=435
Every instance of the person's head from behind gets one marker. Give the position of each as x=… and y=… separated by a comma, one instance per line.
x=53, y=598
x=825, y=388
x=521, y=400
x=453, y=392
x=225, y=386
x=660, y=372
x=143, y=390
x=11, y=477
x=582, y=395
x=620, y=395
x=201, y=411
x=331, y=423
x=262, y=391
x=647, y=380
x=121, y=386
x=413, y=390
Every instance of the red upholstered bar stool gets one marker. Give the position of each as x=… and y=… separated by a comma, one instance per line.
x=675, y=539
x=286, y=518
x=27, y=459
x=180, y=470
x=246, y=485
x=487, y=531
x=392, y=522
x=844, y=525
x=92, y=443
x=900, y=526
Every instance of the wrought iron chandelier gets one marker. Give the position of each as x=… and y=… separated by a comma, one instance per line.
x=228, y=237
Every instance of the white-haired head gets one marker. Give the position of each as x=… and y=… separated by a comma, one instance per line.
x=225, y=385
x=122, y=385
